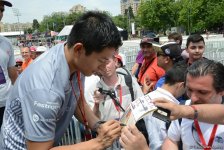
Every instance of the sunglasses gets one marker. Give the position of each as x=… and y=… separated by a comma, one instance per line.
x=197, y=139
x=160, y=54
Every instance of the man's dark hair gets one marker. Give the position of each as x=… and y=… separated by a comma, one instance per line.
x=176, y=37
x=209, y=67
x=95, y=31
x=194, y=39
x=176, y=74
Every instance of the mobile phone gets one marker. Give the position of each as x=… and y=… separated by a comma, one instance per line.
x=162, y=114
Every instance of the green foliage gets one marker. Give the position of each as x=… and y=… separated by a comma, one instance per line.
x=155, y=15
x=158, y=14
x=193, y=15
x=36, y=24
x=56, y=21
x=121, y=21
x=28, y=31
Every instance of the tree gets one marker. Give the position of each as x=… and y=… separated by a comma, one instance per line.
x=129, y=13
x=36, y=24
x=157, y=15
x=28, y=31
x=120, y=21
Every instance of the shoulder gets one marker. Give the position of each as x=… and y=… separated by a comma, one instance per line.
x=2, y=38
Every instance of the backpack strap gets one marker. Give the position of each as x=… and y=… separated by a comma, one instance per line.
x=128, y=81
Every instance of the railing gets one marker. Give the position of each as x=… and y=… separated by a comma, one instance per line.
x=72, y=134
x=214, y=51
x=130, y=53
x=217, y=55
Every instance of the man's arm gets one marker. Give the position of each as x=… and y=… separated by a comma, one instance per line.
x=89, y=145
x=169, y=144
x=134, y=69
x=206, y=112
x=107, y=133
x=90, y=116
x=12, y=71
x=96, y=110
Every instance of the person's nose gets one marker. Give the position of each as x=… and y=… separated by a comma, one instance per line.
x=197, y=49
x=193, y=96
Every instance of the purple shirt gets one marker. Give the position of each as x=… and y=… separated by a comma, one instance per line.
x=140, y=57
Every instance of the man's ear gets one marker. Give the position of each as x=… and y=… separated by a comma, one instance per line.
x=167, y=59
x=116, y=62
x=181, y=84
x=78, y=49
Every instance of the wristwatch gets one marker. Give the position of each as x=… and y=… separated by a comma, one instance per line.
x=97, y=125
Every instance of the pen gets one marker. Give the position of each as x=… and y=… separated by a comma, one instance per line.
x=121, y=124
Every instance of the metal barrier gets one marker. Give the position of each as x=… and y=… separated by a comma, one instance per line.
x=217, y=55
x=72, y=134
x=130, y=53
x=214, y=51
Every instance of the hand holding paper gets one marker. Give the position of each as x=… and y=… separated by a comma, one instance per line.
x=141, y=107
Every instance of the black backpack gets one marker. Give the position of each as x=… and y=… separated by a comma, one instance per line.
x=128, y=81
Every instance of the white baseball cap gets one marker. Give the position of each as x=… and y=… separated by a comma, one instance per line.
x=41, y=49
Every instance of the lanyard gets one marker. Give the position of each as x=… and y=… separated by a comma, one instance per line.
x=81, y=96
x=87, y=132
x=120, y=101
x=212, y=136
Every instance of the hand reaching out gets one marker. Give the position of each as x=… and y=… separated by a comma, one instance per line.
x=98, y=97
x=133, y=139
x=148, y=85
x=108, y=132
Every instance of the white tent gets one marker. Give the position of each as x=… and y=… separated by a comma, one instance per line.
x=66, y=30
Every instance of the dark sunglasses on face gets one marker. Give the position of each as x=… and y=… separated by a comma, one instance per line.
x=160, y=54
x=146, y=45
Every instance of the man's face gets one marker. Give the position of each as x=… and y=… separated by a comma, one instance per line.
x=2, y=9
x=201, y=91
x=110, y=69
x=26, y=53
x=196, y=50
x=147, y=50
x=162, y=60
x=33, y=55
x=92, y=63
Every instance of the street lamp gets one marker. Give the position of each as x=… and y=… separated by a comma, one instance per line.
x=17, y=13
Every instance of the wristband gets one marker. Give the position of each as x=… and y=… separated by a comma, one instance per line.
x=195, y=112
x=96, y=125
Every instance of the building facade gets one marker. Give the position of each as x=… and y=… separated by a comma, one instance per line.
x=13, y=27
x=77, y=9
x=134, y=4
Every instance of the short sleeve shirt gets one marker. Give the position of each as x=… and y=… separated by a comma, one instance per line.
x=189, y=135
x=42, y=102
x=7, y=60
x=140, y=57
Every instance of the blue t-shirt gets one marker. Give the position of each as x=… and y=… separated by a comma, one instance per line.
x=41, y=104
x=160, y=83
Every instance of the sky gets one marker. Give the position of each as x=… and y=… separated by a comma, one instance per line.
x=36, y=9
